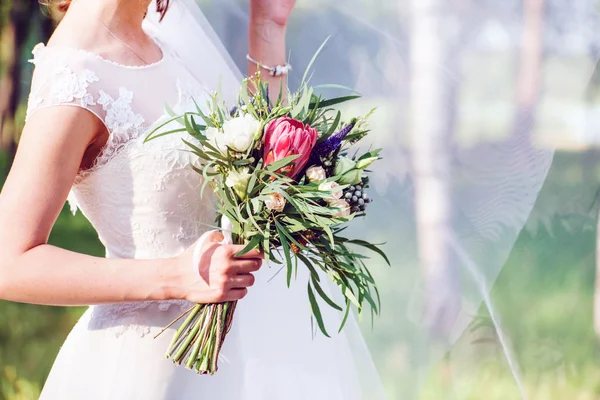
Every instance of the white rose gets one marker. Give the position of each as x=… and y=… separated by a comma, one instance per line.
x=238, y=181
x=276, y=202
x=316, y=174
x=332, y=187
x=343, y=206
x=217, y=139
x=239, y=132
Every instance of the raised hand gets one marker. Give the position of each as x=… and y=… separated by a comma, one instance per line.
x=277, y=11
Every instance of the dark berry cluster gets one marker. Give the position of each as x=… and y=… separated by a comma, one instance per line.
x=357, y=198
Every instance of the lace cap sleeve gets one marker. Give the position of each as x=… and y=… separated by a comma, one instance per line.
x=61, y=79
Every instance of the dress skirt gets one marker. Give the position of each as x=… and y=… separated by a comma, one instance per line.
x=273, y=352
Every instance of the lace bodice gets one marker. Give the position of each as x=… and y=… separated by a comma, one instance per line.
x=142, y=198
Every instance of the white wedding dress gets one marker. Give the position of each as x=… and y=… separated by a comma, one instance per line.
x=144, y=201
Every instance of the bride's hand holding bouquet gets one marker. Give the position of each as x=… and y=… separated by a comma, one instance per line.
x=220, y=275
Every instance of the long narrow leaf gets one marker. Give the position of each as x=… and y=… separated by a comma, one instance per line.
x=348, y=306
x=266, y=242
x=371, y=247
x=288, y=236
x=335, y=86
x=163, y=124
x=316, y=311
x=334, y=101
x=334, y=124
x=165, y=133
x=254, y=242
x=194, y=147
x=252, y=219
x=284, y=162
x=323, y=295
x=286, y=253
x=312, y=61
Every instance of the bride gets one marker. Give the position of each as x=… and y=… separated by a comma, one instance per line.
x=100, y=84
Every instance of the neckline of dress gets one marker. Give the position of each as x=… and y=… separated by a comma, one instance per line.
x=43, y=47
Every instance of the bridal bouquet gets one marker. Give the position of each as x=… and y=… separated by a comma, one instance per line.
x=288, y=185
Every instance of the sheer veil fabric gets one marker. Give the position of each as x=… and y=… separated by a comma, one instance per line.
x=474, y=98
x=468, y=114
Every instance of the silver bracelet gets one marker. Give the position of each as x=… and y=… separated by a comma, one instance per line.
x=277, y=70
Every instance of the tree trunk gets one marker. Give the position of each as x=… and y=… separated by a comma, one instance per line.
x=431, y=164
x=14, y=35
x=529, y=76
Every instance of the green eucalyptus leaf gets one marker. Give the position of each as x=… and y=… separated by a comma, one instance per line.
x=335, y=86
x=332, y=102
x=207, y=120
x=170, y=111
x=348, y=306
x=316, y=311
x=243, y=163
x=267, y=242
x=188, y=126
x=197, y=128
x=254, y=242
x=152, y=135
x=284, y=162
x=323, y=295
x=165, y=133
x=286, y=252
x=194, y=147
x=312, y=61
x=334, y=125
x=371, y=247
x=252, y=219
x=287, y=235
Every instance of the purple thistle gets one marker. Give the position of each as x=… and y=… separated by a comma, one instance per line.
x=330, y=145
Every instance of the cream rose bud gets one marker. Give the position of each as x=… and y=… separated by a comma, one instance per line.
x=333, y=188
x=316, y=174
x=275, y=202
x=215, y=138
x=343, y=206
x=239, y=132
x=238, y=181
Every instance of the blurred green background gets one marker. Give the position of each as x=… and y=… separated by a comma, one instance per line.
x=544, y=294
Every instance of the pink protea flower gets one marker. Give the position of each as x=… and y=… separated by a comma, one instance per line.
x=286, y=137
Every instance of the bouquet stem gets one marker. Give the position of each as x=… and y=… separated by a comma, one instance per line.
x=198, y=341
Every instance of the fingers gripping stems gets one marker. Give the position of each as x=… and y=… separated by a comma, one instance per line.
x=226, y=230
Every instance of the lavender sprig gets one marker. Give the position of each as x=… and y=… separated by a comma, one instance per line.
x=329, y=146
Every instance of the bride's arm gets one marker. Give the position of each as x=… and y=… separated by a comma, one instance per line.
x=266, y=37
x=52, y=146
